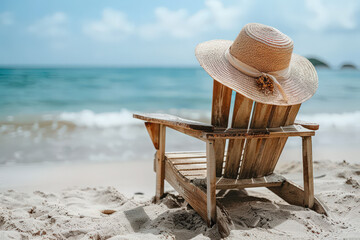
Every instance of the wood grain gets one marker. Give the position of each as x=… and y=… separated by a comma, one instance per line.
x=280, y=132
x=293, y=111
x=266, y=181
x=294, y=194
x=192, y=194
x=211, y=182
x=278, y=117
x=221, y=102
x=241, y=116
x=160, y=166
x=154, y=132
x=308, y=172
x=171, y=120
x=254, y=147
x=308, y=125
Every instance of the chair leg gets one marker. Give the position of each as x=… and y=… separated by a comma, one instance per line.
x=160, y=164
x=308, y=172
x=211, y=183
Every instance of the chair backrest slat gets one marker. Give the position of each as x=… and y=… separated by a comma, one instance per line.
x=278, y=117
x=293, y=111
x=252, y=157
x=240, y=119
x=220, y=117
x=254, y=147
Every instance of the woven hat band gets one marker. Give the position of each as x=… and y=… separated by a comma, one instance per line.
x=253, y=72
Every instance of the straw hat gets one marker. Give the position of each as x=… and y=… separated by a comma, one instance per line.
x=260, y=65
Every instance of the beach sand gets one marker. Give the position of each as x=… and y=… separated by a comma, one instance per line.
x=73, y=201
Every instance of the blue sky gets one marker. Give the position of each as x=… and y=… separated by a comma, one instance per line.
x=165, y=33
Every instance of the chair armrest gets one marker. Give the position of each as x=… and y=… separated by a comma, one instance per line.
x=237, y=133
x=174, y=121
x=308, y=125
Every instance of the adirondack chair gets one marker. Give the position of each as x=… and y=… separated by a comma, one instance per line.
x=256, y=137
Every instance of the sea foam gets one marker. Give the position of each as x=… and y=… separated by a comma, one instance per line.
x=87, y=118
x=348, y=121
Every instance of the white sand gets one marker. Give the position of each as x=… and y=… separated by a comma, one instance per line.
x=76, y=212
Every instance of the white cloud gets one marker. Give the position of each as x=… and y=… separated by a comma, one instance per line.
x=181, y=24
x=6, y=19
x=224, y=18
x=111, y=27
x=53, y=26
x=332, y=14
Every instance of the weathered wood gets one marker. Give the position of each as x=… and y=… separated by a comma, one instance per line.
x=160, y=166
x=184, y=155
x=197, y=175
x=293, y=111
x=220, y=105
x=219, y=146
x=308, y=172
x=189, y=167
x=253, y=147
x=211, y=183
x=280, y=132
x=170, y=120
x=266, y=181
x=193, y=133
x=223, y=221
x=197, y=198
x=278, y=117
x=294, y=194
x=154, y=131
x=192, y=194
x=308, y=125
x=201, y=173
x=241, y=116
x=188, y=161
x=221, y=102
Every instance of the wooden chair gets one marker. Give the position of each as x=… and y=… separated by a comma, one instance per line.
x=249, y=161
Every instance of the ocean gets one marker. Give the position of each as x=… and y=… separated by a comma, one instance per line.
x=85, y=114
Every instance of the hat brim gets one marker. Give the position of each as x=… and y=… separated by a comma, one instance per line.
x=299, y=87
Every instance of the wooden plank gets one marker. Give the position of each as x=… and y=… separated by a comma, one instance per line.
x=308, y=125
x=154, y=132
x=160, y=167
x=294, y=109
x=189, y=167
x=192, y=194
x=223, y=221
x=221, y=102
x=211, y=183
x=308, y=172
x=190, y=132
x=241, y=116
x=188, y=161
x=197, y=198
x=219, y=146
x=220, y=105
x=199, y=173
x=278, y=117
x=294, y=194
x=280, y=132
x=183, y=155
x=170, y=120
x=266, y=181
x=253, y=147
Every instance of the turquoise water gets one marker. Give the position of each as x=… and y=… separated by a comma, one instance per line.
x=54, y=90
x=29, y=91
x=85, y=114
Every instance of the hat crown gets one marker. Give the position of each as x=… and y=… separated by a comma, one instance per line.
x=263, y=47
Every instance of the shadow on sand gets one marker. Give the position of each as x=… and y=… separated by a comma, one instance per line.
x=183, y=222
